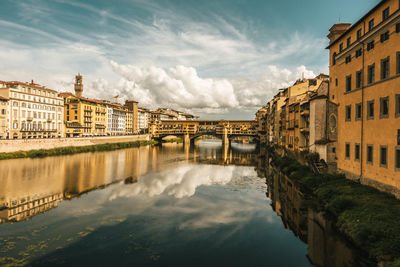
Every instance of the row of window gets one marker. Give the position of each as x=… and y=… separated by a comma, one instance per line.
x=371, y=25
x=383, y=109
x=383, y=155
x=34, y=106
x=39, y=92
x=385, y=73
x=370, y=45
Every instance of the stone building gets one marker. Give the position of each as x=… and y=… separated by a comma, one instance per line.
x=34, y=110
x=365, y=81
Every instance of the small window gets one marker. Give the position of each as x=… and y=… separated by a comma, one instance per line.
x=398, y=27
x=358, y=111
x=336, y=82
x=370, y=45
x=348, y=113
x=370, y=154
x=348, y=83
x=357, y=152
x=358, y=79
x=398, y=62
x=385, y=14
x=347, y=152
x=397, y=111
x=371, y=25
x=397, y=159
x=371, y=74
x=383, y=156
x=341, y=47
x=385, y=68
x=349, y=42
x=348, y=59
x=370, y=109
x=334, y=59
x=384, y=36
x=358, y=53
x=359, y=34
x=384, y=107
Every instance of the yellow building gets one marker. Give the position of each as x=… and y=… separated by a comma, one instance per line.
x=365, y=70
x=83, y=116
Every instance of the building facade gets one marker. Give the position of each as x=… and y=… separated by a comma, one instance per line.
x=34, y=111
x=365, y=82
x=4, y=114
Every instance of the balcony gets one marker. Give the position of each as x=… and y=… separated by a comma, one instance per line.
x=29, y=118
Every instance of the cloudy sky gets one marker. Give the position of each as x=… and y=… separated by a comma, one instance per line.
x=214, y=58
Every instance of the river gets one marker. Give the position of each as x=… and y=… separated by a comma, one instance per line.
x=165, y=205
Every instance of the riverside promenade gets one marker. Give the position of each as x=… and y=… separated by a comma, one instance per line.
x=36, y=144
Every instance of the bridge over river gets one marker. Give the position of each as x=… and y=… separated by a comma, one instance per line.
x=188, y=130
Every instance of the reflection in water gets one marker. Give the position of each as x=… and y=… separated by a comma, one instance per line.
x=32, y=186
x=326, y=247
x=167, y=205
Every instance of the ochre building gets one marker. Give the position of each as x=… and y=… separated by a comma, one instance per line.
x=365, y=83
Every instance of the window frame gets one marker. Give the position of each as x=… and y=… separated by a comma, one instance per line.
x=348, y=83
x=371, y=162
x=371, y=78
x=385, y=74
x=341, y=47
x=398, y=62
x=359, y=79
x=371, y=25
x=358, y=115
x=381, y=115
x=348, y=112
x=397, y=105
x=369, y=117
x=348, y=41
x=396, y=158
x=357, y=156
x=371, y=45
x=385, y=14
x=347, y=151
x=385, y=165
x=359, y=34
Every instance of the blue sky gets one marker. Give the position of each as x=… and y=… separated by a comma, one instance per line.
x=217, y=59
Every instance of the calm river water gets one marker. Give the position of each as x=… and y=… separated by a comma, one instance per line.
x=160, y=206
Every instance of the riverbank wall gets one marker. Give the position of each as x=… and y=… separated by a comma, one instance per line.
x=9, y=146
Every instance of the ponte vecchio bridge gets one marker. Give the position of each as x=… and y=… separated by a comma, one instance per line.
x=191, y=129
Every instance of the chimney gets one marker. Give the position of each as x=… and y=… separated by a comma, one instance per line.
x=337, y=30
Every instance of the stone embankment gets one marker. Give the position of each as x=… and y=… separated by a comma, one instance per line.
x=9, y=146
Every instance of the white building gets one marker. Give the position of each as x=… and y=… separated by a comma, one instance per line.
x=35, y=111
x=116, y=119
x=144, y=116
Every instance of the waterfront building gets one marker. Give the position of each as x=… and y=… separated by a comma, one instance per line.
x=83, y=116
x=296, y=113
x=116, y=119
x=34, y=110
x=365, y=80
x=144, y=117
x=261, y=119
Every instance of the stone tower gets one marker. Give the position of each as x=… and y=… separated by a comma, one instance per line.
x=78, y=85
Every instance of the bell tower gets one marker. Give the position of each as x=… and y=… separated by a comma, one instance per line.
x=78, y=85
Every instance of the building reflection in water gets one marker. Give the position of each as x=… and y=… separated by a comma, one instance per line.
x=326, y=247
x=32, y=186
